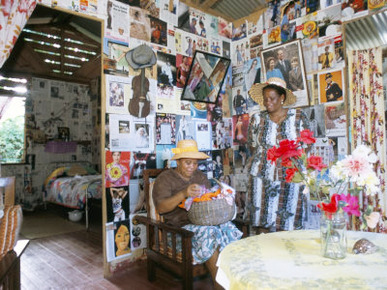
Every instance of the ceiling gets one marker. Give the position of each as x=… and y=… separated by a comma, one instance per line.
x=367, y=32
x=59, y=45
x=230, y=10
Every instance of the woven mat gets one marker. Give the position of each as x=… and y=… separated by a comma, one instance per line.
x=42, y=224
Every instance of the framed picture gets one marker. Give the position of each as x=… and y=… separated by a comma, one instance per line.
x=285, y=61
x=205, y=77
x=64, y=133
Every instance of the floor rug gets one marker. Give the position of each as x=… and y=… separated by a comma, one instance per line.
x=45, y=223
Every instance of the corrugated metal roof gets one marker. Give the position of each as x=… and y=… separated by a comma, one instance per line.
x=367, y=32
x=238, y=9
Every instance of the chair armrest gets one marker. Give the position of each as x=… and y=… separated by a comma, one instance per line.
x=170, y=228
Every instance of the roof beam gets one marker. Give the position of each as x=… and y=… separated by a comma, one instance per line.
x=208, y=3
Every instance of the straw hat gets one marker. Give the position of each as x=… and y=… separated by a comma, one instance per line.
x=140, y=57
x=256, y=91
x=188, y=149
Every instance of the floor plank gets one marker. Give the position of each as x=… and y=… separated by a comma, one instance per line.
x=75, y=261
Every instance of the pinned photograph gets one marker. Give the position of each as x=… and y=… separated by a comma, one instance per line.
x=331, y=86
x=287, y=63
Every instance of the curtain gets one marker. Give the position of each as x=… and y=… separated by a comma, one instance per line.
x=367, y=121
x=13, y=16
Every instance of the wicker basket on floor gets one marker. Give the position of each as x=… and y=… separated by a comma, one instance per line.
x=211, y=213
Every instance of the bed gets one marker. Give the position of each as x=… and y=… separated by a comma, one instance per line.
x=67, y=186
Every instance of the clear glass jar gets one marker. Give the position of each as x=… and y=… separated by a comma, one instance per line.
x=333, y=231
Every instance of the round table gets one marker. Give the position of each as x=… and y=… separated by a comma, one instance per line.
x=292, y=260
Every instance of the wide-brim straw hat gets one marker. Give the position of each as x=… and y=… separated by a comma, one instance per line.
x=256, y=91
x=188, y=149
x=140, y=57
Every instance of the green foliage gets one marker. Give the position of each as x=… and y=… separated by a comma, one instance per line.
x=12, y=140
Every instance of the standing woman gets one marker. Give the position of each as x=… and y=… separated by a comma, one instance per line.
x=273, y=204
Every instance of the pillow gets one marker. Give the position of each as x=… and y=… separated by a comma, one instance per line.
x=56, y=173
x=76, y=170
x=90, y=170
x=10, y=226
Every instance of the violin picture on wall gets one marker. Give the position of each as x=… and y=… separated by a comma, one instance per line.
x=140, y=57
x=205, y=78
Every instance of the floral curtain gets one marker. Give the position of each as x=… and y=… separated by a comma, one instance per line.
x=13, y=17
x=366, y=105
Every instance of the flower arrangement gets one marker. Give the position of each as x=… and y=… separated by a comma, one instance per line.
x=347, y=177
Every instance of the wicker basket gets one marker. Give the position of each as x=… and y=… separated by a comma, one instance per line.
x=211, y=213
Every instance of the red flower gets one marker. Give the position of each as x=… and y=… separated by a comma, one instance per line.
x=315, y=162
x=330, y=207
x=287, y=162
x=287, y=149
x=290, y=174
x=306, y=137
x=272, y=154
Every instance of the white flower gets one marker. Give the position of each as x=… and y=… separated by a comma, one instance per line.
x=363, y=151
x=372, y=219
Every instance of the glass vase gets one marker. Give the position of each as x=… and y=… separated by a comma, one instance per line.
x=333, y=231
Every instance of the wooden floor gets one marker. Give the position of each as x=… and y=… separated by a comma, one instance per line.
x=75, y=261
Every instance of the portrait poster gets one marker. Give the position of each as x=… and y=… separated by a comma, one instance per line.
x=217, y=162
x=158, y=31
x=239, y=101
x=222, y=134
x=185, y=128
x=228, y=161
x=286, y=62
x=326, y=54
x=117, y=203
x=252, y=73
x=330, y=86
x=166, y=75
x=141, y=161
x=241, y=125
x=118, y=94
x=183, y=64
x=164, y=155
x=336, y=119
x=122, y=235
x=117, y=172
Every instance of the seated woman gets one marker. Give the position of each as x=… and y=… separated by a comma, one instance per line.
x=175, y=185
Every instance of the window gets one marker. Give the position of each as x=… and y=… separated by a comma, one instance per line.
x=12, y=119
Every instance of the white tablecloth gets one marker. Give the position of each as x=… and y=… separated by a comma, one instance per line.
x=292, y=260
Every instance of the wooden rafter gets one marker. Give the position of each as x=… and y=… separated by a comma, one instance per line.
x=192, y=3
x=208, y=3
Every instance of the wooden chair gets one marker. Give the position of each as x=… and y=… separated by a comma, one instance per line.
x=158, y=235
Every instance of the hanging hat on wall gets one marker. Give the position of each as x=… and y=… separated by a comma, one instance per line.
x=140, y=57
x=256, y=91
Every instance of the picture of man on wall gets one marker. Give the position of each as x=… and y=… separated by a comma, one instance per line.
x=332, y=89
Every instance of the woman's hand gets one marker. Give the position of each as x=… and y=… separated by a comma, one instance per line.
x=193, y=190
